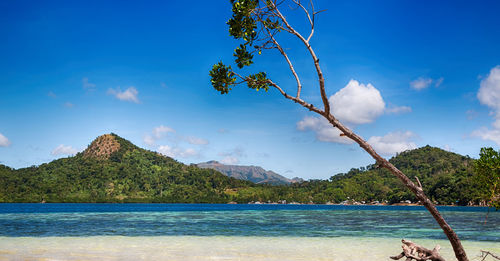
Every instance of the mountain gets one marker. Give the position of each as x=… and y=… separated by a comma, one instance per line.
x=112, y=169
x=254, y=174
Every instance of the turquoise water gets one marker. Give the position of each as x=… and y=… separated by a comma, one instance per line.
x=82, y=220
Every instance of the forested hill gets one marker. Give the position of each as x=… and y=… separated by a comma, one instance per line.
x=447, y=178
x=112, y=169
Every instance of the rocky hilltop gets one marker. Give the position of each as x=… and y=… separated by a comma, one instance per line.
x=254, y=174
x=102, y=147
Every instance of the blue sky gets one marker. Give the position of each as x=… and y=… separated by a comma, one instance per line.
x=410, y=73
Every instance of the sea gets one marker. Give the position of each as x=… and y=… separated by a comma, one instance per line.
x=234, y=231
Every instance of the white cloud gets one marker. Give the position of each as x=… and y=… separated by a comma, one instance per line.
x=4, y=142
x=489, y=95
x=489, y=91
x=68, y=105
x=323, y=129
x=398, y=110
x=421, y=83
x=233, y=156
x=129, y=94
x=393, y=142
x=353, y=105
x=488, y=134
x=357, y=103
x=160, y=131
x=229, y=160
x=64, y=150
x=156, y=134
x=196, y=140
x=87, y=85
x=52, y=94
x=447, y=148
x=176, y=152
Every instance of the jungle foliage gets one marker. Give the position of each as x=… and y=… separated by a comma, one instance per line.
x=132, y=174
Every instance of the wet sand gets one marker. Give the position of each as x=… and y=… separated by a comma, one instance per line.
x=187, y=248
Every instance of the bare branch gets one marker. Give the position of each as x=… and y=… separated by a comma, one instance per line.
x=297, y=100
x=278, y=46
x=321, y=78
x=297, y=2
x=419, y=184
x=485, y=254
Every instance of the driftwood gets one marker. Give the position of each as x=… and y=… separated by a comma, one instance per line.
x=485, y=254
x=416, y=252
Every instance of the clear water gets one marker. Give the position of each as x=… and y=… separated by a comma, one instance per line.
x=239, y=248
x=215, y=220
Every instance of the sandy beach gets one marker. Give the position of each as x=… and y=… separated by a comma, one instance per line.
x=216, y=248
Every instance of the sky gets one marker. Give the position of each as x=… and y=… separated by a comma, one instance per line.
x=402, y=74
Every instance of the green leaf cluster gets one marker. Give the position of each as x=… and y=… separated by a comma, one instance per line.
x=246, y=18
x=222, y=77
x=243, y=57
x=258, y=81
x=242, y=24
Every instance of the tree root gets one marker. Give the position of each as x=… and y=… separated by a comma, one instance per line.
x=416, y=252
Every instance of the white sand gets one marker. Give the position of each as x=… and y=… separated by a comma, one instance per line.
x=188, y=248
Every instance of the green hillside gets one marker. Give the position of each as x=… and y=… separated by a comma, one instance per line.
x=112, y=169
x=447, y=178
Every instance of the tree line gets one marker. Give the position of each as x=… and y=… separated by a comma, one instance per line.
x=133, y=174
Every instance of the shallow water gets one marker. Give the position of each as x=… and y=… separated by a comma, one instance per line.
x=187, y=248
x=232, y=232
x=42, y=220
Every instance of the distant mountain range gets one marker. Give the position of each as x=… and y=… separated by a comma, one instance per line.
x=254, y=174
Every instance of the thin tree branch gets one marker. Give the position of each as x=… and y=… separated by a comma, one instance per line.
x=299, y=84
x=321, y=78
x=297, y=100
x=419, y=184
x=311, y=20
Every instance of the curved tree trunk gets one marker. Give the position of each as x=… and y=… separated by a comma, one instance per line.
x=417, y=190
x=262, y=14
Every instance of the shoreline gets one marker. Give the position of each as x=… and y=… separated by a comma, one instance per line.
x=249, y=203
x=188, y=248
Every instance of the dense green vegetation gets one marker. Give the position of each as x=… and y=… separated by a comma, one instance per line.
x=488, y=172
x=114, y=170
x=446, y=177
x=129, y=174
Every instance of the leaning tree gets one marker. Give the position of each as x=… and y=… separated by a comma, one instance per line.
x=258, y=23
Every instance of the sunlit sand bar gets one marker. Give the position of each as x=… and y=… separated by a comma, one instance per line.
x=216, y=248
